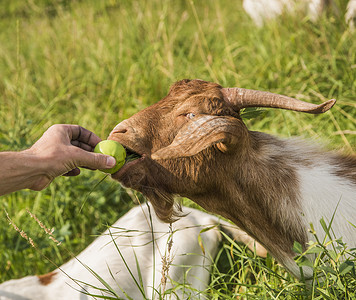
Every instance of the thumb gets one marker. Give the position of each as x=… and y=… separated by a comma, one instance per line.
x=96, y=160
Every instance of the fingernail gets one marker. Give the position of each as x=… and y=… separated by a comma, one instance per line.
x=110, y=162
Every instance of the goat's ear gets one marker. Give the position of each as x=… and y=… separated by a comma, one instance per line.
x=201, y=133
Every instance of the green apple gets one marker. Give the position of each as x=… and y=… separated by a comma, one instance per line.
x=114, y=149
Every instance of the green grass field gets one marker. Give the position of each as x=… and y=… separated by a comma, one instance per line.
x=95, y=63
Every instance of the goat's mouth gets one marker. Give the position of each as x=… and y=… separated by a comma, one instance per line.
x=131, y=155
x=132, y=158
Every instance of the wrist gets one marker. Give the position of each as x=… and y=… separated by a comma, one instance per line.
x=34, y=169
x=21, y=170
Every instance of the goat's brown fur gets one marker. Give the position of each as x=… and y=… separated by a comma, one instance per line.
x=46, y=278
x=346, y=167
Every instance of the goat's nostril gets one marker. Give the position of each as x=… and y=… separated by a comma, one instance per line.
x=120, y=130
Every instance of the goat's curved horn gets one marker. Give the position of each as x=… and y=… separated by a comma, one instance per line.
x=242, y=98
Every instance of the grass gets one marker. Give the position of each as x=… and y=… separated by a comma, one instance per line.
x=95, y=63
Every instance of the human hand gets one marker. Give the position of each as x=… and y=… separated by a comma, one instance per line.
x=64, y=148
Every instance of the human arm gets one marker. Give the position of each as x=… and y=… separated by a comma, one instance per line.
x=60, y=151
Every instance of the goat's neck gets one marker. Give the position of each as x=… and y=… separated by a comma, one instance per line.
x=279, y=186
x=262, y=197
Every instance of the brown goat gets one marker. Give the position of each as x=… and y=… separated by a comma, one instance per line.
x=193, y=143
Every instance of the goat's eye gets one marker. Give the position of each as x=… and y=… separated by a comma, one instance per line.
x=190, y=115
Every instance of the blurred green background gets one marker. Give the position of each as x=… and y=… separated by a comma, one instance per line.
x=95, y=63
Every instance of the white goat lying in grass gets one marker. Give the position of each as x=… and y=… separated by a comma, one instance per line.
x=263, y=10
x=133, y=240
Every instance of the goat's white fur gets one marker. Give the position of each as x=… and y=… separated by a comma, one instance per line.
x=132, y=235
x=262, y=10
x=322, y=194
x=350, y=15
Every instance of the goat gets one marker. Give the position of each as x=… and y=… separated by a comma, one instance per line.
x=194, y=143
x=262, y=10
x=133, y=236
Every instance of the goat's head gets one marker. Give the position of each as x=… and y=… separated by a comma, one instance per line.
x=187, y=140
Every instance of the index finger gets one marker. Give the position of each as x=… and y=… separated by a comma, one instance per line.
x=83, y=135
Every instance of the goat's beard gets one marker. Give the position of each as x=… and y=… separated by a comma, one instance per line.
x=157, y=184
x=162, y=181
x=164, y=204
x=171, y=178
